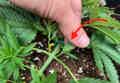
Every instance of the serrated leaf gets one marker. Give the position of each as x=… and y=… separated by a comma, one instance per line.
x=106, y=53
x=35, y=75
x=16, y=74
x=23, y=23
x=72, y=56
x=12, y=40
x=10, y=61
x=4, y=1
x=98, y=42
x=3, y=81
x=90, y=80
x=110, y=69
x=97, y=53
x=27, y=50
x=25, y=35
x=52, y=78
x=118, y=48
x=67, y=48
x=36, y=78
x=111, y=52
x=114, y=36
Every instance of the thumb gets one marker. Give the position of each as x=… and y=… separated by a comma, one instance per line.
x=25, y=3
x=69, y=24
x=36, y=6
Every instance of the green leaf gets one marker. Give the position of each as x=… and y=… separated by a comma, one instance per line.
x=117, y=48
x=68, y=48
x=90, y=80
x=27, y=50
x=1, y=1
x=10, y=61
x=16, y=74
x=12, y=40
x=35, y=75
x=72, y=56
x=105, y=51
x=97, y=53
x=25, y=35
x=52, y=78
x=23, y=23
x=36, y=78
x=3, y=81
x=110, y=69
x=114, y=36
x=110, y=51
x=3, y=77
x=100, y=43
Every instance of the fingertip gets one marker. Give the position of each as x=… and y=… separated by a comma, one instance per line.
x=82, y=39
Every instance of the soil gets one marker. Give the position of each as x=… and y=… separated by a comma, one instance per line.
x=83, y=67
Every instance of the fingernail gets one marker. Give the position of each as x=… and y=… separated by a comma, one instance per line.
x=83, y=41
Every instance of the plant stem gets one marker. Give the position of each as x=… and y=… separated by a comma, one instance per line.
x=58, y=60
x=49, y=60
x=46, y=64
x=67, y=68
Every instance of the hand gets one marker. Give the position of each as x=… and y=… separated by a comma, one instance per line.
x=65, y=12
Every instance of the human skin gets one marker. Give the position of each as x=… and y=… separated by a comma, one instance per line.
x=67, y=13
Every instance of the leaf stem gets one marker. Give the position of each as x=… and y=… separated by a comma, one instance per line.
x=51, y=57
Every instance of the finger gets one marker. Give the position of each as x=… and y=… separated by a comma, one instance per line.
x=77, y=7
x=37, y=6
x=70, y=24
x=25, y=3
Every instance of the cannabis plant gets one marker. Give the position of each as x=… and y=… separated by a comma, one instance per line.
x=105, y=38
x=36, y=78
x=12, y=53
x=21, y=22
